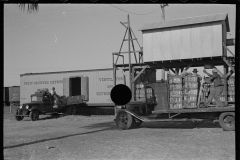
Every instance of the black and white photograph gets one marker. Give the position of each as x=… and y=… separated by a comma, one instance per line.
x=120, y=81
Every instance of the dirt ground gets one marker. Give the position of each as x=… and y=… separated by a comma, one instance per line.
x=96, y=137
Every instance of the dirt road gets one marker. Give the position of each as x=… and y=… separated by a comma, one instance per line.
x=96, y=137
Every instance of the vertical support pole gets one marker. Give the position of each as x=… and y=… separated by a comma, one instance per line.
x=114, y=83
x=225, y=67
x=129, y=55
x=225, y=89
x=124, y=77
x=177, y=71
x=10, y=107
x=133, y=85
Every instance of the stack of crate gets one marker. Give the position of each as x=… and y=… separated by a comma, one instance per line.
x=191, y=89
x=137, y=92
x=175, y=87
x=149, y=93
x=231, y=89
x=140, y=93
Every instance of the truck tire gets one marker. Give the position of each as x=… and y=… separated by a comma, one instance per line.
x=34, y=115
x=17, y=117
x=227, y=121
x=124, y=120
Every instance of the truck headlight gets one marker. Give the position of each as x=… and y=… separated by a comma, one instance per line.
x=20, y=107
x=27, y=106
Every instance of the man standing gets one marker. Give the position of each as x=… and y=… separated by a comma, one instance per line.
x=217, y=89
x=53, y=92
x=55, y=98
x=195, y=74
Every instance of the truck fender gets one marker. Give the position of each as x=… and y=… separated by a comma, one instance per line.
x=34, y=108
x=133, y=114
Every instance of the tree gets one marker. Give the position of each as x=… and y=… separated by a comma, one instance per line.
x=163, y=11
x=31, y=7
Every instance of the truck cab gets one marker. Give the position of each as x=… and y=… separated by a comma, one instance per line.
x=41, y=103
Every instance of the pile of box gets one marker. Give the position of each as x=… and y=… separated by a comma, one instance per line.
x=191, y=90
x=175, y=87
x=231, y=89
x=183, y=91
x=140, y=93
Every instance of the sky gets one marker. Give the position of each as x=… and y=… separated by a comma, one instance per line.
x=65, y=37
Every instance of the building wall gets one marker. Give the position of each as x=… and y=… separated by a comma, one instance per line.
x=100, y=84
x=183, y=42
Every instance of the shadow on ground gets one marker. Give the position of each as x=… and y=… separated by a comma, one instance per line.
x=62, y=137
x=180, y=125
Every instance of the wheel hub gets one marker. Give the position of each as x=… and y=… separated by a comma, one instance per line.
x=229, y=120
x=123, y=120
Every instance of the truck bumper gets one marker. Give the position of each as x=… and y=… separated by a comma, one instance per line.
x=22, y=112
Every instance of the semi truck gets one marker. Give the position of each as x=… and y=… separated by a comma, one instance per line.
x=174, y=46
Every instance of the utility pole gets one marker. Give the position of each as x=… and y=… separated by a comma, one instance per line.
x=163, y=17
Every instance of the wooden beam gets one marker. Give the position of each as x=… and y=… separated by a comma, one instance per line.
x=139, y=74
x=122, y=71
x=172, y=70
x=228, y=49
x=125, y=52
x=229, y=64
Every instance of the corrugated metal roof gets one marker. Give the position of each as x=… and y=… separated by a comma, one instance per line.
x=188, y=21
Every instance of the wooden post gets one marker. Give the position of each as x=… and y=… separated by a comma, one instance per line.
x=114, y=82
x=11, y=108
x=133, y=85
x=129, y=55
x=225, y=89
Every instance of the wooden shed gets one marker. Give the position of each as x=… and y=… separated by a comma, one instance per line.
x=188, y=38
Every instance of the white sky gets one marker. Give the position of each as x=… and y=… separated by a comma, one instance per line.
x=63, y=37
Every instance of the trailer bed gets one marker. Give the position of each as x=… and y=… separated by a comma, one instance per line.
x=211, y=109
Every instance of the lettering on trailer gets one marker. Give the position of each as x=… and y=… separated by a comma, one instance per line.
x=43, y=82
x=111, y=79
x=109, y=86
x=103, y=93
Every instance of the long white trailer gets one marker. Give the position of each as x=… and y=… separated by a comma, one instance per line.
x=100, y=83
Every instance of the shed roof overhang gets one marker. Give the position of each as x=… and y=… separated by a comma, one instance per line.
x=187, y=21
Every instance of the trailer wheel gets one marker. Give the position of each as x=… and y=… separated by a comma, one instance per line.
x=227, y=121
x=124, y=120
x=34, y=115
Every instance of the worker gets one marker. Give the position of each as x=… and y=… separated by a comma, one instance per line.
x=53, y=92
x=195, y=73
x=55, y=97
x=217, y=89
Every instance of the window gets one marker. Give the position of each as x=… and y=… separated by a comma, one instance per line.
x=36, y=99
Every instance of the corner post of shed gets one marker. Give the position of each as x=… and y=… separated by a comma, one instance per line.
x=225, y=67
x=129, y=55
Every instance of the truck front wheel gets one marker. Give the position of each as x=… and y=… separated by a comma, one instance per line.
x=34, y=115
x=227, y=121
x=124, y=120
x=18, y=118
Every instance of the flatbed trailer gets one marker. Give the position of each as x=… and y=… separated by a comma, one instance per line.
x=172, y=46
